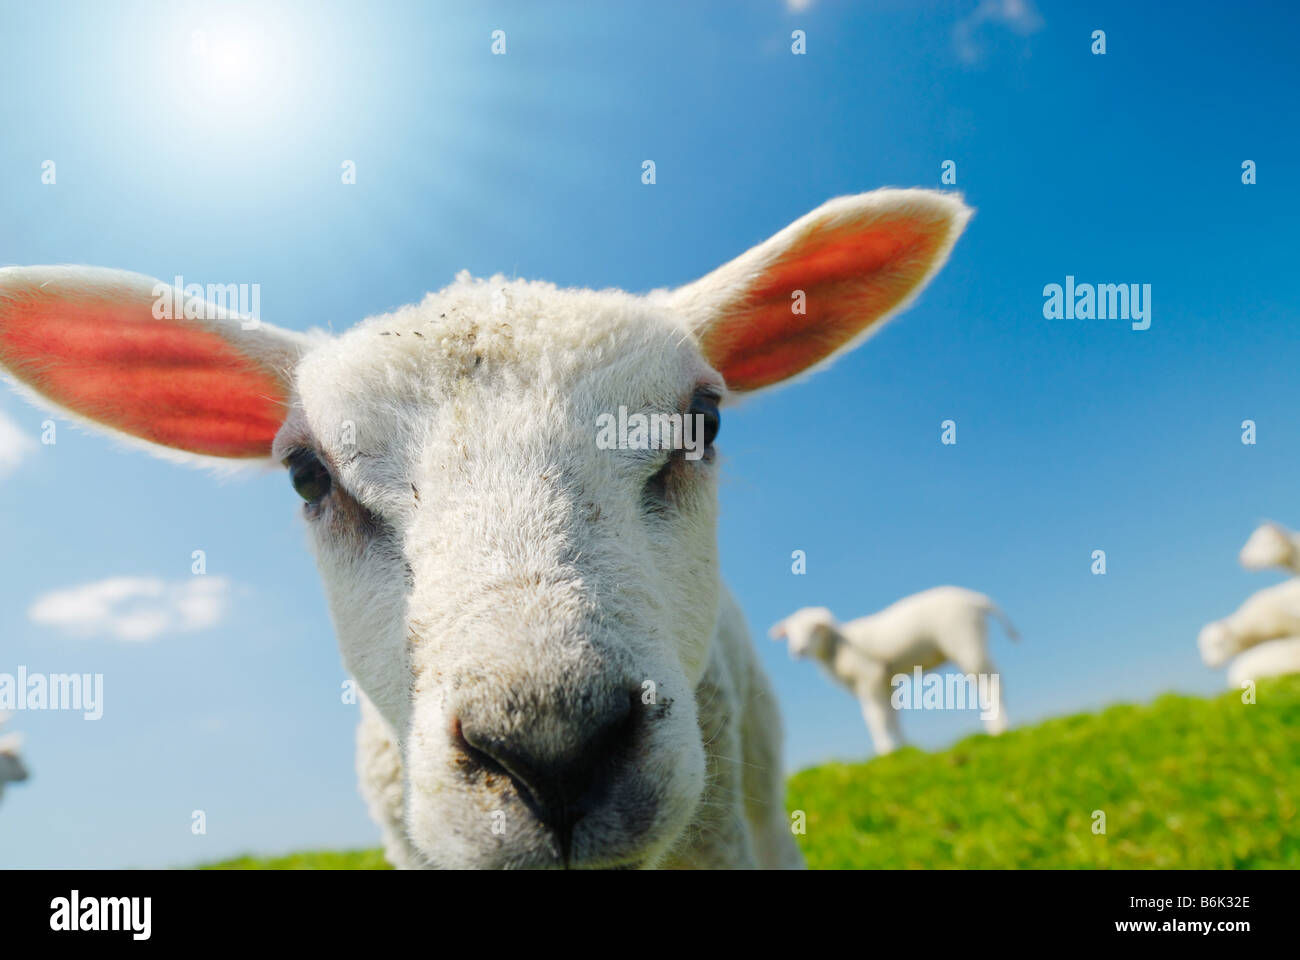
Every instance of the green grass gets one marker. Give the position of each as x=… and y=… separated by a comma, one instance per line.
x=316, y=860
x=1184, y=783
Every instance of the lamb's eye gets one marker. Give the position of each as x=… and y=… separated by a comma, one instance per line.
x=706, y=405
x=308, y=476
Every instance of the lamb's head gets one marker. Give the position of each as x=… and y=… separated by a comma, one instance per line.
x=812, y=633
x=524, y=588
x=1218, y=644
x=1269, y=546
x=528, y=605
x=12, y=769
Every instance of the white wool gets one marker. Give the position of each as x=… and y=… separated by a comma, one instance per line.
x=1272, y=658
x=1269, y=614
x=482, y=400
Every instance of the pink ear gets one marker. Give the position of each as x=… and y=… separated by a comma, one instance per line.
x=87, y=340
x=856, y=261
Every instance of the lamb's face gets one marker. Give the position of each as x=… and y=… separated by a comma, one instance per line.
x=528, y=609
x=809, y=633
x=11, y=768
x=1218, y=644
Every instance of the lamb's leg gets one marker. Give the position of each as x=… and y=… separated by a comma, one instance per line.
x=882, y=721
x=979, y=665
x=996, y=722
x=379, y=773
x=969, y=649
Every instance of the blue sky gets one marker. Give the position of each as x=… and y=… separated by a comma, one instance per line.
x=1073, y=435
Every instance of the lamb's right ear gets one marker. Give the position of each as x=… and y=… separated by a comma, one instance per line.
x=821, y=285
x=133, y=356
x=777, y=631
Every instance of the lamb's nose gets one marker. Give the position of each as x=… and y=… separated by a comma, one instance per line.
x=561, y=765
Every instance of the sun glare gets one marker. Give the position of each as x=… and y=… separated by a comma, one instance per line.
x=228, y=64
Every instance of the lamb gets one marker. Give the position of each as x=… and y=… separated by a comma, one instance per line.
x=1271, y=546
x=917, y=633
x=551, y=673
x=1272, y=658
x=1269, y=614
x=11, y=764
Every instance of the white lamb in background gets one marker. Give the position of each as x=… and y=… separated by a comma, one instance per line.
x=1270, y=614
x=552, y=673
x=925, y=630
x=1269, y=546
x=1272, y=658
x=11, y=763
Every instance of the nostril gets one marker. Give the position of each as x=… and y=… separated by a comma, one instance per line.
x=472, y=752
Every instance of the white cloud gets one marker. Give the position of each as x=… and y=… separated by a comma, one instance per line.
x=133, y=608
x=1019, y=16
x=798, y=6
x=14, y=445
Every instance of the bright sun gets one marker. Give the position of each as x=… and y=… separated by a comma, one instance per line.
x=228, y=63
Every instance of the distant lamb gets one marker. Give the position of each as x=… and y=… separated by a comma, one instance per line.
x=11, y=764
x=1269, y=546
x=1272, y=658
x=552, y=673
x=1270, y=614
x=924, y=630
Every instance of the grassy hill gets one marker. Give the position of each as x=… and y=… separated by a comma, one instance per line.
x=1184, y=783
x=318, y=860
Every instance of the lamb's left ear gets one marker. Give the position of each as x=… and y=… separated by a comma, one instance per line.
x=134, y=357
x=777, y=631
x=821, y=285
